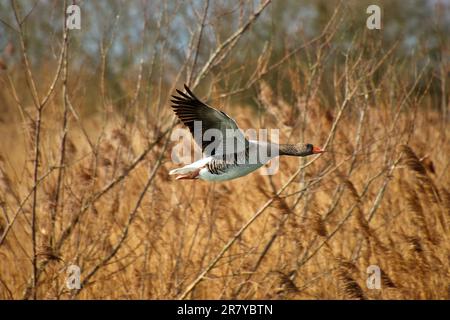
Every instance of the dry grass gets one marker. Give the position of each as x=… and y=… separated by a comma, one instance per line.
x=180, y=226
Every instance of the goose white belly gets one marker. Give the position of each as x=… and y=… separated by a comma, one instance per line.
x=231, y=172
x=212, y=169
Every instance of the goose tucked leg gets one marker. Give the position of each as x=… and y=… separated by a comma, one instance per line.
x=190, y=175
x=187, y=172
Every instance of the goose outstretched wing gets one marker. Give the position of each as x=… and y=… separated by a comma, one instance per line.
x=218, y=131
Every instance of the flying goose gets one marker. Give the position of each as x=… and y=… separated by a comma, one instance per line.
x=243, y=155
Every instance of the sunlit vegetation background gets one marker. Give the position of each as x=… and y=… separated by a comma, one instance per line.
x=85, y=150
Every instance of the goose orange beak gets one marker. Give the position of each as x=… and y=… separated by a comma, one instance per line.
x=317, y=150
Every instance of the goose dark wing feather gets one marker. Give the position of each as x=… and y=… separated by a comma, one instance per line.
x=189, y=109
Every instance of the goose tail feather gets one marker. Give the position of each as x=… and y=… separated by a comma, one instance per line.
x=185, y=173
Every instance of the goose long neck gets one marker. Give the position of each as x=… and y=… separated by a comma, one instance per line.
x=291, y=149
